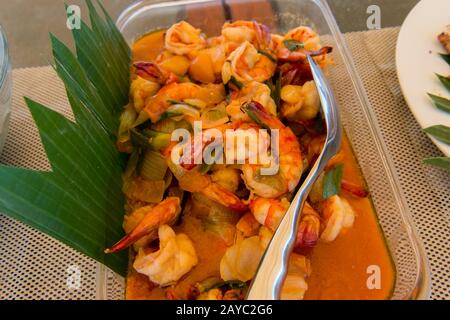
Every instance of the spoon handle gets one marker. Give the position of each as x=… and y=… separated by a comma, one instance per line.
x=269, y=278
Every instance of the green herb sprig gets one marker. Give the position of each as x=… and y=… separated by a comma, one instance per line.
x=293, y=45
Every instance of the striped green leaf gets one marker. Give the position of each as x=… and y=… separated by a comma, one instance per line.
x=80, y=201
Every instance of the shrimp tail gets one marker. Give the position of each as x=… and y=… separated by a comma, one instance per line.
x=354, y=189
x=258, y=114
x=149, y=70
x=164, y=213
x=263, y=37
x=286, y=54
x=219, y=194
x=308, y=230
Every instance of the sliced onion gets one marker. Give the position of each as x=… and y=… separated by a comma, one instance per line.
x=215, y=217
x=186, y=110
x=144, y=190
x=214, y=117
x=153, y=166
x=169, y=125
x=127, y=119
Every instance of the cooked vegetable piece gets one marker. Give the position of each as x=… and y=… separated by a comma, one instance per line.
x=153, y=166
x=127, y=120
x=144, y=190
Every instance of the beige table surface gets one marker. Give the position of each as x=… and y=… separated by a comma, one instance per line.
x=426, y=189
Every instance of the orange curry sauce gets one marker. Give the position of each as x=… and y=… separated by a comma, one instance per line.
x=339, y=269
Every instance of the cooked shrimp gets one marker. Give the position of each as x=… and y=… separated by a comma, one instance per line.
x=240, y=31
x=252, y=91
x=176, y=64
x=300, y=103
x=289, y=158
x=207, y=64
x=305, y=35
x=295, y=286
x=248, y=225
x=174, y=259
x=241, y=260
x=338, y=215
x=140, y=90
x=153, y=72
x=245, y=64
x=310, y=45
x=213, y=294
x=193, y=181
x=165, y=212
x=228, y=178
x=444, y=38
x=269, y=213
x=182, y=38
x=157, y=105
x=308, y=230
x=314, y=146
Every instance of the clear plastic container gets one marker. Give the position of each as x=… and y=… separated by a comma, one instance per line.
x=413, y=278
x=5, y=88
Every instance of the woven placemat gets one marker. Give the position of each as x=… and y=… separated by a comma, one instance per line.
x=28, y=272
x=426, y=189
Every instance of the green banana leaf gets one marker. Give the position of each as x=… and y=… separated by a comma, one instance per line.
x=80, y=201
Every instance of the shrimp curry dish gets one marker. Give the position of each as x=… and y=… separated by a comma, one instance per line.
x=220, y=132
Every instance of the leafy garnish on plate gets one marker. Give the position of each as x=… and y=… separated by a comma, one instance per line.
x=441, y=162
x=440, y=132
x=440, y=102
x=80, y=201
x=446, y=57
x=444, y=80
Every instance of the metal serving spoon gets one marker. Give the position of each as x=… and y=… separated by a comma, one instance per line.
x=271, y=272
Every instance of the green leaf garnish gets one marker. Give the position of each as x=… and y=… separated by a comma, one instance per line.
x=293, y=45
x=440, y=132
x=440, y=102
x=252, y=115
x=441, y=162
x=80, y=201
x=332, y=181
x=236, y=82
x=446, y=57
x=444, y=80
x=141, y=140
x=275, y=91
x=268, y=55
x=168, y=114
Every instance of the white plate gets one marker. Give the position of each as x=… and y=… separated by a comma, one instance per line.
x=417, y=60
